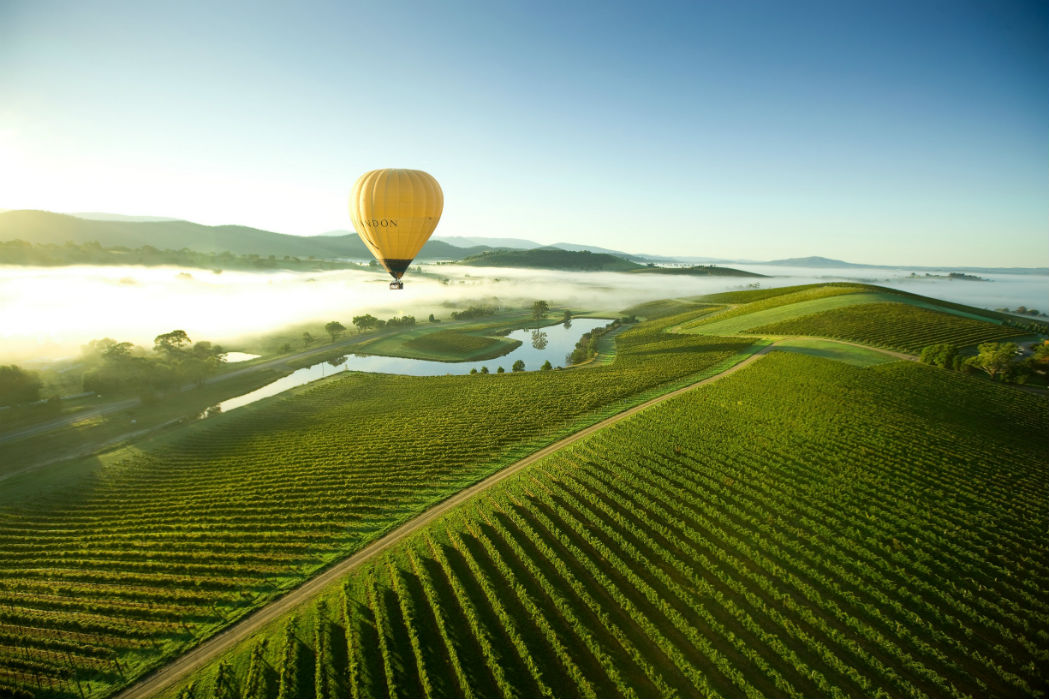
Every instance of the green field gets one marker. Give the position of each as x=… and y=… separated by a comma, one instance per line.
x=828, y=349
x=440, y=345
x=899, y=326
x=854, y=312
x=109, y=566
x=802, y=528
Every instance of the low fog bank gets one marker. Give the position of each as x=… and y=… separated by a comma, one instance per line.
x=999, y=291
x=50, y=313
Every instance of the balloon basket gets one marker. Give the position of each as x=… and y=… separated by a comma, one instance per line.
x=397, y=285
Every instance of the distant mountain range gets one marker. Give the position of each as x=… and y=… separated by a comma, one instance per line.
x=817, y=261
x=101, y=216
x=116, y=230
x=512, y=243
x=47, y=227
x=552, y=258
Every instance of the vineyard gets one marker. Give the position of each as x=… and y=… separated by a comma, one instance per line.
x=163, y=543
x=802, y=528
x=854, y=312
x=894, y=325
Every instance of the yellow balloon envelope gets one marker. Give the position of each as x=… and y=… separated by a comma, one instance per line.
x=394, y=212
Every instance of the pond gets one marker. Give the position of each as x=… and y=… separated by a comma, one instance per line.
x=552, y=343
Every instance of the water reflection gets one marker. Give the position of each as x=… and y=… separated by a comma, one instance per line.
x=551, y=344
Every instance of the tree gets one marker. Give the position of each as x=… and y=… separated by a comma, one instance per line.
x=117, y=351
x=203, y=360
x=519, y=365
x=540, y=309
x=307, y=339
x=941, y=355
x=171, y=343
x=365, y=322
x=18, y=385
x=335, y=329
x=995, y=358
x=500, y=370
x=539, y=339
x=484, y=370
x=546, y=366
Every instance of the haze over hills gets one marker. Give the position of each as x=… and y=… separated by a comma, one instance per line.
x=514, y=243
x=817, y=261
x=552, y=258
x=47, y=227
x=117, y=230
x=104, y=216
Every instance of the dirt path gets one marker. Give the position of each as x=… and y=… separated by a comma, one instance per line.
x=176, y=670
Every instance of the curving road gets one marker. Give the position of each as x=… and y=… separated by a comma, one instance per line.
x=176, y=670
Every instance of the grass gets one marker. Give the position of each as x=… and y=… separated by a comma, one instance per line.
x=666, y=307
x=440, y=345
x=774, y=311
x=801, y=528
x=205, y=522
x=91, y=433
x=898, y=326
x=828, y=349
x=850, y=502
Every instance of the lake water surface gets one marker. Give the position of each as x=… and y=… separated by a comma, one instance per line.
x=552, y=343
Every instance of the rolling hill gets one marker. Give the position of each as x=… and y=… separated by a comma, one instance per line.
x=552, y=258
x=699, y=271
x=48, y=227
x=800, y=528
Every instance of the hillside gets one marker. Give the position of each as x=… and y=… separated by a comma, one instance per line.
x=18, y=252
x=154, y=547
x=862, y=313
x=700, y=271
x=813, y=261
x=49, y=228
x=552, y=258
x=804, y=527
x=715, y=546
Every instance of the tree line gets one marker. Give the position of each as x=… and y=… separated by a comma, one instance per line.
x=19, y=252
x=1002, y=361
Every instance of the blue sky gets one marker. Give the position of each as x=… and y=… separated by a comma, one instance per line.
x=880, y=132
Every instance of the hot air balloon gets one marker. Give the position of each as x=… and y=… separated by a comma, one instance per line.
x=395, y=211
